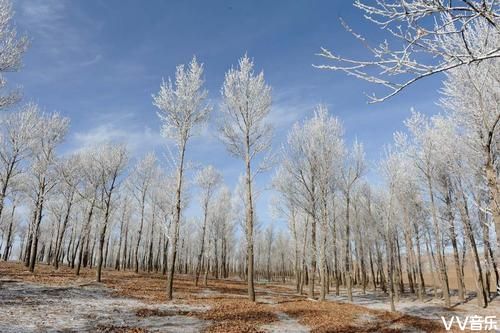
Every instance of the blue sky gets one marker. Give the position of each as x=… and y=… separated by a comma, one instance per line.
x=98, y=62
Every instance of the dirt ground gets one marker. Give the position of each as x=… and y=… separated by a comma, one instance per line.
x=469, y=274
x=59, y=301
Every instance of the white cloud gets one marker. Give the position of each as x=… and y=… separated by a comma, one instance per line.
x=138, y=141
x=41, y=13
x=289, y=106
x=54, y=28
x=44, y=20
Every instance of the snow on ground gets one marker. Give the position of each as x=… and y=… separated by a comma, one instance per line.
x=285, y=324
x=28, y=307
x=429, y=309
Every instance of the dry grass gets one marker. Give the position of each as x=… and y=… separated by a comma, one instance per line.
x=469, y=276
x=325, y=317
x=120, y=329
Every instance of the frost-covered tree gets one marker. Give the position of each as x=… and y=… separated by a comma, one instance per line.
x=141, y=183
x=50, y=131
x=207, y=179
x=423, y=150
x=353, y=169
x=181, y=108
x=245, y=131
x=125, y=209
x=401, y=177
x=89, y=203
x=18, y=132
x=422, y=38
x=309, y=173
x=284, y=206
x=269, y=237
x=327, y=148
x=223, y=230
x=12, y=49
x=471, y=96
x=107, y=164
x=10, y=223
x=71, y=176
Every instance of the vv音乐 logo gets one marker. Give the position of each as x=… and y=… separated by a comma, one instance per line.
x=473, y=323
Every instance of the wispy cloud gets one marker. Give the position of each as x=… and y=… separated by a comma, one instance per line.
x=45, y=22
x=42, y=13
x=289, y=106
x=54, y=27
x=92, y=61
x=138, y=140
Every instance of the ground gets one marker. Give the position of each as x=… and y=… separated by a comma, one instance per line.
x=59, y=301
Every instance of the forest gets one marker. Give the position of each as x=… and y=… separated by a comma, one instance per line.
x=418, y=241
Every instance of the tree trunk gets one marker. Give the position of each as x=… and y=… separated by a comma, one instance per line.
x=8, y=245
x=437, y=233
x=62, y=231
x=491, y=177
x=348, y=267
x=36, y=228
x=322, y=253
x=464, y=212
x=249, y=223
x=102, y=236
x=312, y=268
x=202, y=241
x=177, y=221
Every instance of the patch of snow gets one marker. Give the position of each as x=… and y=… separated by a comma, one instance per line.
x=285, y=324
x=28, y=307
x=431, y=309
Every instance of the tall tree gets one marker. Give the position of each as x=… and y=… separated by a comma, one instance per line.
x=51, y=129
x=70, y=172
x=18, y=134
x=207, y=179
x=141, y=181
x=471, y=97
x=108, y=163
x=181, y=108
x=310, y=171
x=352, y=170
x=246, y=133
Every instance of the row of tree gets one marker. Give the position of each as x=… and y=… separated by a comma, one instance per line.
x=437, y=209
x=429, y=218
x=435, y=205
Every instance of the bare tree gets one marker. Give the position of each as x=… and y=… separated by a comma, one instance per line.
x=351, y=172
x=427, y=37
x=207, y=179
x=425, y=155
x=70, y=173
x=12, y=49
x=181, y=108
x=50, y=131
x=223, y=227
x=269, y=237
x=309, y=172
x=471, y=97
x=285, y=207
x=15, y=198
x=141, y=181
x=244, y=130
x=18, y=132
x=107, y=163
